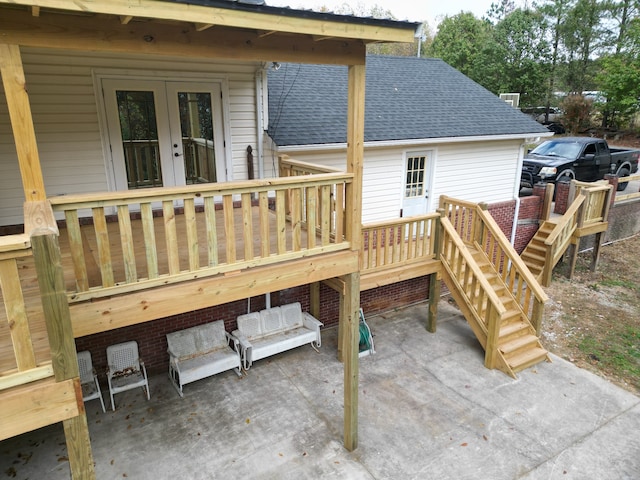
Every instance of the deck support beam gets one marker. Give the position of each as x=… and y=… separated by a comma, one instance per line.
x=15, y=90
x=349, y=318
x=350, y=304
x=46, y=253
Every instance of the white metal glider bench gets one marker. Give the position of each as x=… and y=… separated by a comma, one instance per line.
x=275, y=330
x=199, y=352
x=125, y=369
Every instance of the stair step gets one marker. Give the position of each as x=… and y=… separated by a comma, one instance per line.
x=535, y=258
x=527, y=358
x=536, y=246
x=513, y=329
x=519, y=343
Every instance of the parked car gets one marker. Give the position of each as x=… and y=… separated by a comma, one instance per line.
x=581, y=158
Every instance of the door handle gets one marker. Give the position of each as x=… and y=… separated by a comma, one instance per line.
x=177, y=154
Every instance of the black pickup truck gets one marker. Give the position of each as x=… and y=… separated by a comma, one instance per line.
x=580, y=158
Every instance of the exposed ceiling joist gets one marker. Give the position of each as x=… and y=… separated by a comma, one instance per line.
x=125, y=19
x=35, y=11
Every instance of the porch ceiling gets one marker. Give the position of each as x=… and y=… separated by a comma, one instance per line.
x=217, y=29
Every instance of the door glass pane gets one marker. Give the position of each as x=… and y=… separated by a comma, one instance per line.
x=139, y=138
x=415, y=176
x=196, y=125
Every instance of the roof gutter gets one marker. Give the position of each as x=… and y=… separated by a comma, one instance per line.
x=527, y=137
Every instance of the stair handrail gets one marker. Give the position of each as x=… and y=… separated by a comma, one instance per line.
x=516, y=262
x=566, y=224
x=494, y=310
x=456, y=241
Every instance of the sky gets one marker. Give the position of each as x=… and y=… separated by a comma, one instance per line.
x=412, y=10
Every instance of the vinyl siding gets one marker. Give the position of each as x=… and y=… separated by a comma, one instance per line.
x=475, y=171
x=66, y=118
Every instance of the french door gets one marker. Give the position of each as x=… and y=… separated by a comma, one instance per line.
x=164, y=133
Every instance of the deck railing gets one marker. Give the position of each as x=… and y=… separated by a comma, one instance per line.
x=166, y=235
x=475, y=225
x=398, y=242
x=627, y=196
x=21, y=367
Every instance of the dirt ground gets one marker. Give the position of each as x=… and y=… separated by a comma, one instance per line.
x=593, y=320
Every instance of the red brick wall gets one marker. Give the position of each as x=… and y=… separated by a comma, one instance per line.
x=530, y=208
x=562, y=197
x=151, y=336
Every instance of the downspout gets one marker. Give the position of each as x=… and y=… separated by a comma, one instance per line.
x=516, y=194
x=261, y=110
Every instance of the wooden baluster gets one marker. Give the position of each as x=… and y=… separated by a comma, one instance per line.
x=312, y=221
x=193, y=247
x=325, y=214
x=265, y=248
x=229, y=228
x=77, y=250
x=104, y=250
x=149, y=232
x=247, y=222
x=296, y=219
x=126, y=240
x=212, y=230
x=281, y=222
x=171, y=236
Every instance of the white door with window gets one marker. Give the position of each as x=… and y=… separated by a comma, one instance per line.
x=417, y=183
x=164, y=133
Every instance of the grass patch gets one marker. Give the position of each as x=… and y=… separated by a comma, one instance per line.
x=617, y=352
x=612, y=282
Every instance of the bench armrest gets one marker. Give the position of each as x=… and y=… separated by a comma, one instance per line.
x=232, y=341
x=244, y=345
x=311, y=322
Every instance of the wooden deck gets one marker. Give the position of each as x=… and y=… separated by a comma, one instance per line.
x=29, y=283
x=394, y=251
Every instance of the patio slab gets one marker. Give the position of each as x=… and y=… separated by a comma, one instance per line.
x=428, y=409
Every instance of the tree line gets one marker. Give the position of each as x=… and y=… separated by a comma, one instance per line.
x=549, y=51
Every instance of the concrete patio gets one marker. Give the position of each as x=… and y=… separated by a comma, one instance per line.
x=428, y=410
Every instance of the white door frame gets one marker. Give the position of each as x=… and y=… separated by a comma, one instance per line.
x=110, y=130
x=422, y=202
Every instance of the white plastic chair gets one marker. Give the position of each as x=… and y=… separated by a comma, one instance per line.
x=126, y=371
x=89, y=379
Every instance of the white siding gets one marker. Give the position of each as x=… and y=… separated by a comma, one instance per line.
x=66, y=118
x=475, y=171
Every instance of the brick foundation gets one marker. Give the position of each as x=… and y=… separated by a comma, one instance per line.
x=151, y=336
x=562, y=197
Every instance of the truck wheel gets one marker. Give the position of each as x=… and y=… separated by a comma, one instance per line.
x=623, y=172
x=566, y=175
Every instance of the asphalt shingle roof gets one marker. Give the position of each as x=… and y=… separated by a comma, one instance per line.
x=406, y=98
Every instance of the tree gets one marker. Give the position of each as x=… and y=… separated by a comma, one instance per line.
x=514, y=58
x=619, y=78
x=581, y=33
x=555, y=11
x=459, y=40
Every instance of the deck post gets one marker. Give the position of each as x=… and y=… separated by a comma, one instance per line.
x=15, y=90
x=435, y=278
x=351, y=333
x=314, y=299
x=48, y=262
x=350, y=307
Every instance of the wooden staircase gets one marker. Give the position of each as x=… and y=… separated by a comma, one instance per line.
x=535, y=253
x=500, y=298
x=518, y=344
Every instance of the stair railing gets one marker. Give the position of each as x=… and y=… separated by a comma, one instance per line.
x=476, y=226
x=471, y=286
x=560, y=237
